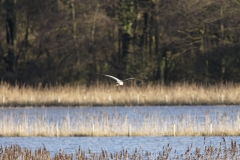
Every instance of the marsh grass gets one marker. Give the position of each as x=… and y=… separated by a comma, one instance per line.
x=117, y=124
x=221, y=152
x=109, y=95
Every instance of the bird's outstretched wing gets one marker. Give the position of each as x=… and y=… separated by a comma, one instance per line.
x=112, y=77
x=128, y=79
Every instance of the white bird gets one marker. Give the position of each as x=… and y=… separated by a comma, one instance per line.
x=119, y=82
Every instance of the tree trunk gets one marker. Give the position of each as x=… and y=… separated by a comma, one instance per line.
x=222, y=38
x=126, y=20
x=150, y=37
x=74, y=33
x=125, y=47
x=205, y=51
x=160, y=68
x=11, y=28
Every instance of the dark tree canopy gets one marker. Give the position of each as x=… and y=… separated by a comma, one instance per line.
x=164, y=40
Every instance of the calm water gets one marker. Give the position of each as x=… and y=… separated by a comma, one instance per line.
x=131, y=112
x=116, y=144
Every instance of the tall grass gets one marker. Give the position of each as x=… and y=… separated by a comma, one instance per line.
x=221, y=152
x=117, y=124
x=109, y=95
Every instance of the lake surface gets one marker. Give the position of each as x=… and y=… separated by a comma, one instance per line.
x=153, y=144
x=116, y=144
x=131, y=112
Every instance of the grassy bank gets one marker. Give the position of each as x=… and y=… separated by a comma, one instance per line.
x=110, y=95
x=117, y=124
x=223, y=152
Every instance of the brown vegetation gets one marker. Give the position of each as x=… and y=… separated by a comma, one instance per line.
x=221, y=152
x=109, y=95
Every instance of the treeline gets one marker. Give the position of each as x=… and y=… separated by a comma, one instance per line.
x=70, y=41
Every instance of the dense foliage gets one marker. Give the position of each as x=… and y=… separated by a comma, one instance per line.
x=70, y=41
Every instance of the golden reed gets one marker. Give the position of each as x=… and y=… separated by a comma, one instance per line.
x=118, y=124
x=110, y=95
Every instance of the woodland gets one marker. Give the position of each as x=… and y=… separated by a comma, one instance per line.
x=163, y=41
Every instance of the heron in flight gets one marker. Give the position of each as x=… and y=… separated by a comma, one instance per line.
x=119, y=82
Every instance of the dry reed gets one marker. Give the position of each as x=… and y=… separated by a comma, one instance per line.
x=109, y=95
x=221, y=152
x=117, y=124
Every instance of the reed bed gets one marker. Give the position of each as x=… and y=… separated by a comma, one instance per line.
x=221, y=152
x=117, y=124
x=110, y=95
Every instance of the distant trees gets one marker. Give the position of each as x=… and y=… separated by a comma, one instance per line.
x=11, y=29
x=164, y=40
